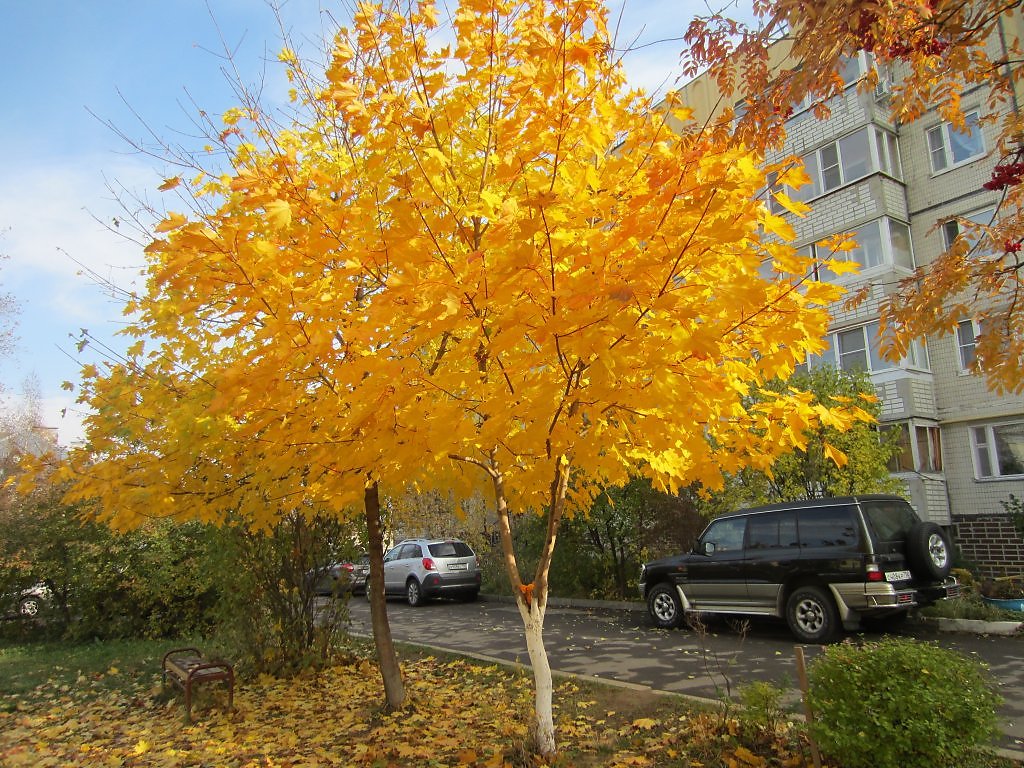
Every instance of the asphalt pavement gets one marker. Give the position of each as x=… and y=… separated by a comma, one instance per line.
x=615, y=643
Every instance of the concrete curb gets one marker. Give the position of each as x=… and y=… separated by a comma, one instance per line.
x=973, y=626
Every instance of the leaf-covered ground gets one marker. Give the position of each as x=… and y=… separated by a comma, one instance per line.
x=460, y=713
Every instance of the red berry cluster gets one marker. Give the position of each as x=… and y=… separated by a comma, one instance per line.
x=1011, y=246
x=933, y=46
x=1005, y=175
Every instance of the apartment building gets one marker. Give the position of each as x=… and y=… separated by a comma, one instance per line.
x=893, y=186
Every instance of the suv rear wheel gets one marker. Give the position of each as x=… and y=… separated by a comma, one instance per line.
x=929, y=551
x=664, y=607
x=812, y=616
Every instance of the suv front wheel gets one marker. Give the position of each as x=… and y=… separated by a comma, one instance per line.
x=812, y=615
x=664, y=606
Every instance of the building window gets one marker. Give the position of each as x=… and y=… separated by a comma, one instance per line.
x=902, y=459
x=919, y=447
x=929, y=448
x=882, y=242
x=953, y=228
x=851, y=69
x=888, y=153
x=949, y=147
x=998, y=450
x=858, y=349
x=967, y=332
x=852, y=157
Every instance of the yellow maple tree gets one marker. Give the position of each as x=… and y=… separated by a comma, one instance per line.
x=927, y=54
x=486, y=259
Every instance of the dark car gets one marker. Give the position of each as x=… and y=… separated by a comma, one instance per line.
x=28, y=603
x=341, y=577
x=823, y=565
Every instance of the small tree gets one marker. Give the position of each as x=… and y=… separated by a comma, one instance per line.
x=487, y=260
x=806, y=473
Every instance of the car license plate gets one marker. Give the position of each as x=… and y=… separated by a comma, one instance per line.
x=456, y=566
x=898, y=576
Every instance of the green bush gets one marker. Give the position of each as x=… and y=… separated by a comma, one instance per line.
x=900, y=703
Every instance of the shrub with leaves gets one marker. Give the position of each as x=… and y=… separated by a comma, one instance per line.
x=914, y=703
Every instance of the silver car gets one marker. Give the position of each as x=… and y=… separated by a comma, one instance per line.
x=419, y=569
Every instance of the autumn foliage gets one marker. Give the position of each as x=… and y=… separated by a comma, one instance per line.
x=482, y=259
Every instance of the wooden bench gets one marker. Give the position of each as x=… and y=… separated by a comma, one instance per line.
x=188, y=666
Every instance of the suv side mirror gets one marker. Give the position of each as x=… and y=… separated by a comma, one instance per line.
x=708, y=547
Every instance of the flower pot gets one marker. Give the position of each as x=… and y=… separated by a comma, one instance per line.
x=1006, y=603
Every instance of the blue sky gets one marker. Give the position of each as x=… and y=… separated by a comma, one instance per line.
x=74, y=65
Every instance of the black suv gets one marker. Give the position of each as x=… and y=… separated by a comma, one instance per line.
x=823, y=565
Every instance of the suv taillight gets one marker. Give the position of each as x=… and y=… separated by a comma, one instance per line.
x=428, y=564
x=874, y=573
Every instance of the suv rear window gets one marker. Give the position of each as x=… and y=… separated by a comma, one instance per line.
x=890, y=519
x=450, y=549
x=828, y=527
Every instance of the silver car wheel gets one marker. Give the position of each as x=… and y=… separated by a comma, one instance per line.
x=29, y=607
x=413, y=592
x=937, y=550
x=664, y=607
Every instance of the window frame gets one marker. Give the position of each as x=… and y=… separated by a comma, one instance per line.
x=887, y=249
x=990, y=448
x=944, y=130
x=871, y=350
x=881, y=146
x=967, y=366
x=985, y=217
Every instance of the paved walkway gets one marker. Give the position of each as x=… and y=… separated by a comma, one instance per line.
x=615, y=643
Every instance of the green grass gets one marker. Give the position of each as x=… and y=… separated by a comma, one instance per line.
x=26, y=666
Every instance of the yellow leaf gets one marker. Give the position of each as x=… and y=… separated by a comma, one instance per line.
x=835, y=455
x=170, y=183
x=842, y=267
x=793, y=206
x=172, y=222
x=645, y=724
x=748, y=757
x=279, y=214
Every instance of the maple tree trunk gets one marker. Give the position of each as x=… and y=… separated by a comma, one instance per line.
x=544, y=725
x=532, y=602
x=390, y=671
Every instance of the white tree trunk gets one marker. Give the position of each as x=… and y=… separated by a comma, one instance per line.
x=533, y=622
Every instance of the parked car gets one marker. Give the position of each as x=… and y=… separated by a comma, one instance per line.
x=420, y=569
x=823, y=565
x=28, y=603
x=342, y=577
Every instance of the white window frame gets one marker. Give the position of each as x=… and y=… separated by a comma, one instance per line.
x=940, y=144
x=920, y=446
x=881, y=145
x=915, y=359
x=985, y=451
x=865, y=61
x=886, y=256
x=966, y=351
x=951, y=229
